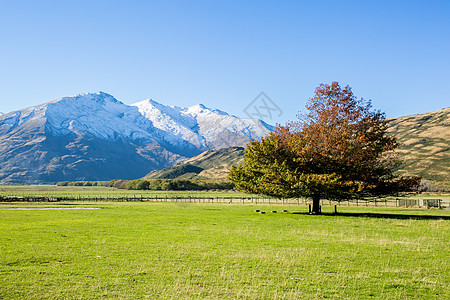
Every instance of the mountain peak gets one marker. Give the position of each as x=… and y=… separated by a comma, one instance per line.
x=99, y=97
x=149, y=104
x=198, y=106
x=199, y=109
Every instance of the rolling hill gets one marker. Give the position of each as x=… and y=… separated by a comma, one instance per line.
x=207, y=165
x=425, y=145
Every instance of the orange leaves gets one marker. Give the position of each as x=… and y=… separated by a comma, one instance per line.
x=339, y=149
x=339, y=134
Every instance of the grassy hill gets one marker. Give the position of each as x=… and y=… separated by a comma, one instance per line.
x=208, y=165
x=424, y=146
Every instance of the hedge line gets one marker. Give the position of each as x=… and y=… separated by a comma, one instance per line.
x=157, y=184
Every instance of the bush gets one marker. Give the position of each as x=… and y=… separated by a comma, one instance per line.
x=174, y=185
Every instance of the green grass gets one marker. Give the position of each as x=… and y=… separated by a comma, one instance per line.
x=103, y=192
x=189, y=251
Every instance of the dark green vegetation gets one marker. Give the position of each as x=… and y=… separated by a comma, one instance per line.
x=85, y=183
x=175, y=185
x=425, y=146
x=182, y=251
x=157, y=184
x=208, y=165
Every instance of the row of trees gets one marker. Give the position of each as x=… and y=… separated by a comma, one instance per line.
x=157, y=184
x=84, y=183
x=177, y=185
x=339, y=150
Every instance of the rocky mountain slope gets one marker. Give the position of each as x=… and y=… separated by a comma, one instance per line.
x=97, y=137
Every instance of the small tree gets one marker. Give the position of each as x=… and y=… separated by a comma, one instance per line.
x=338, y=150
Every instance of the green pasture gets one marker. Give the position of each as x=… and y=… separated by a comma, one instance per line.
x=220, y=251
x=103, y=192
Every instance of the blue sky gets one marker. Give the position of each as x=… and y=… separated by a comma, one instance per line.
x=224, y=53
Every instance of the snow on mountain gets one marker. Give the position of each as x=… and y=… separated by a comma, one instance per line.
x=203, y=127
x=170, y=120
x=99, y=115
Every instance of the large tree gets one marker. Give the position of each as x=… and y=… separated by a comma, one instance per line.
x=338, y=150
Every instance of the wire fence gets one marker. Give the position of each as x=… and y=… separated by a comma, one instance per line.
x=399, y=202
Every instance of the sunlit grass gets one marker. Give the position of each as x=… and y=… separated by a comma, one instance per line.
x=103, y=192
x=185, y=251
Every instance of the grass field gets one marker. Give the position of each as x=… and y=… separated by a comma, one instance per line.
x=218, y=251
x=102, y=192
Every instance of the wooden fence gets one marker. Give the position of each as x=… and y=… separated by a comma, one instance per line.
x=428, y=203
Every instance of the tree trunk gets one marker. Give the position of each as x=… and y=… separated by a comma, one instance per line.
x=316, y=205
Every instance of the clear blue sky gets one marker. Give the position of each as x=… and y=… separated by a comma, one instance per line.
x=224, y=53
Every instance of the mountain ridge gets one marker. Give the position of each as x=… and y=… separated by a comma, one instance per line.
x=72, y=138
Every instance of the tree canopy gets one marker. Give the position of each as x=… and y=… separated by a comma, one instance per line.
x=338, y=150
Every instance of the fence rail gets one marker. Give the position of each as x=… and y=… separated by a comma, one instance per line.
x=428, y=203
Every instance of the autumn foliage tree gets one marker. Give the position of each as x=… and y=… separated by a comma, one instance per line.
x=338, y=150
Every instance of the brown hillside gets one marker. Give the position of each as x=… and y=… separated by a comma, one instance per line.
x=424, y=145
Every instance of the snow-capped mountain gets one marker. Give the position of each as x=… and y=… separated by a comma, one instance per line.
x=99, y=115
x=96, y=137
x=202, y=127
